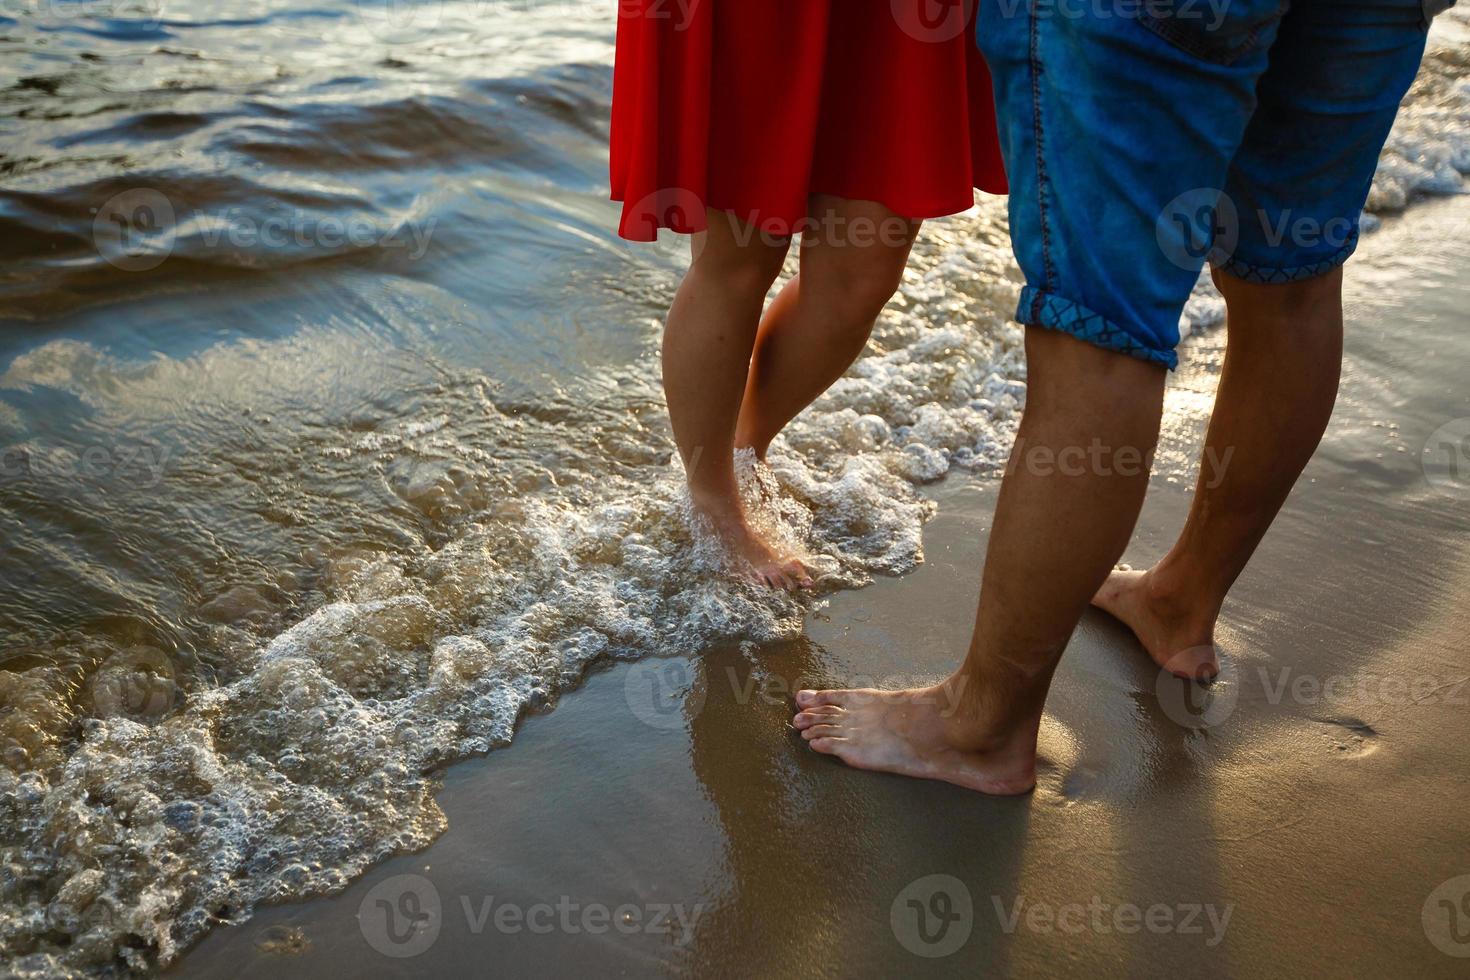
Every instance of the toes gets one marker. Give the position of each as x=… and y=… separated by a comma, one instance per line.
x=773, y=579
x=798, y=573
x=811, y=699
x=817, y=715
x=821, y=731
x=826, y=746
x=782, y=577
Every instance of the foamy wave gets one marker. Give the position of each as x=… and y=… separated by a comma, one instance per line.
x=1428, y=151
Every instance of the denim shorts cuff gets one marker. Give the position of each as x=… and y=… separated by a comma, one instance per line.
x=1269, y=274
x=1039, y=308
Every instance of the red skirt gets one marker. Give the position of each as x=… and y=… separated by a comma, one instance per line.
x=749, y=106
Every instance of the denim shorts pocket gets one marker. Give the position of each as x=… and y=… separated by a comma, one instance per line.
x=1218, y=31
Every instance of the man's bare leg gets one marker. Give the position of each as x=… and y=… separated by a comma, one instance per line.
x=1283, y=359
x=1065, y=513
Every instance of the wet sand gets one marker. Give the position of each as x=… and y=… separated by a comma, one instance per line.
x=1298, y=820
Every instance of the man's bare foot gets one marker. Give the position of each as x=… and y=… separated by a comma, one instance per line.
x=914, y=733
x=760, y=562
x=1180, y=640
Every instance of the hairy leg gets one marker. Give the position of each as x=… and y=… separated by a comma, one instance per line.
x=851, y=262
x=1283, y=359
x=1067, y=507
x=706, y=355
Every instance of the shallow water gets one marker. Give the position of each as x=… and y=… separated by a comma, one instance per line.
x=358, y=452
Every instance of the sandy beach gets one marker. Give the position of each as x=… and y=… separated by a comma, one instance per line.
x=1302, y=816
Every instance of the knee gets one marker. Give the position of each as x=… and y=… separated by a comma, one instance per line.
x=853, y=295
x=1318, y=298
x=746, y=270
x=1070, y=374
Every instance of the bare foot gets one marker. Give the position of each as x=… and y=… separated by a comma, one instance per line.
x=1179, y=640
x=760, y=562
x=913, y=733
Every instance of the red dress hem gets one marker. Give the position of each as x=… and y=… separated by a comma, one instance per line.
x=752, y=106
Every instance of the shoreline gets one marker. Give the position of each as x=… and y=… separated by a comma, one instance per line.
x=1302, y=825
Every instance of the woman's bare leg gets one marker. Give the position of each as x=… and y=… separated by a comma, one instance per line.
x=852, y=260
x=706, y=356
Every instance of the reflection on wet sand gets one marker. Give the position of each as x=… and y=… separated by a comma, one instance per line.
x=809, y=841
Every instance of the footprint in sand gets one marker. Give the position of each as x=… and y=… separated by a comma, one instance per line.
x=1348, y=737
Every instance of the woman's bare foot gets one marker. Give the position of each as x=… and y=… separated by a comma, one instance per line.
x=915, y=733
x=762, y=563
x=1179, y=639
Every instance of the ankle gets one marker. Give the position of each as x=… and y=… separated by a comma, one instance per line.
x=756, y=444
x=1176, y=593
x=720, y=504
x=971, y=724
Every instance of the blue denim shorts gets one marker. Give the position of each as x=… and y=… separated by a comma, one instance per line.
x=1143, y=138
